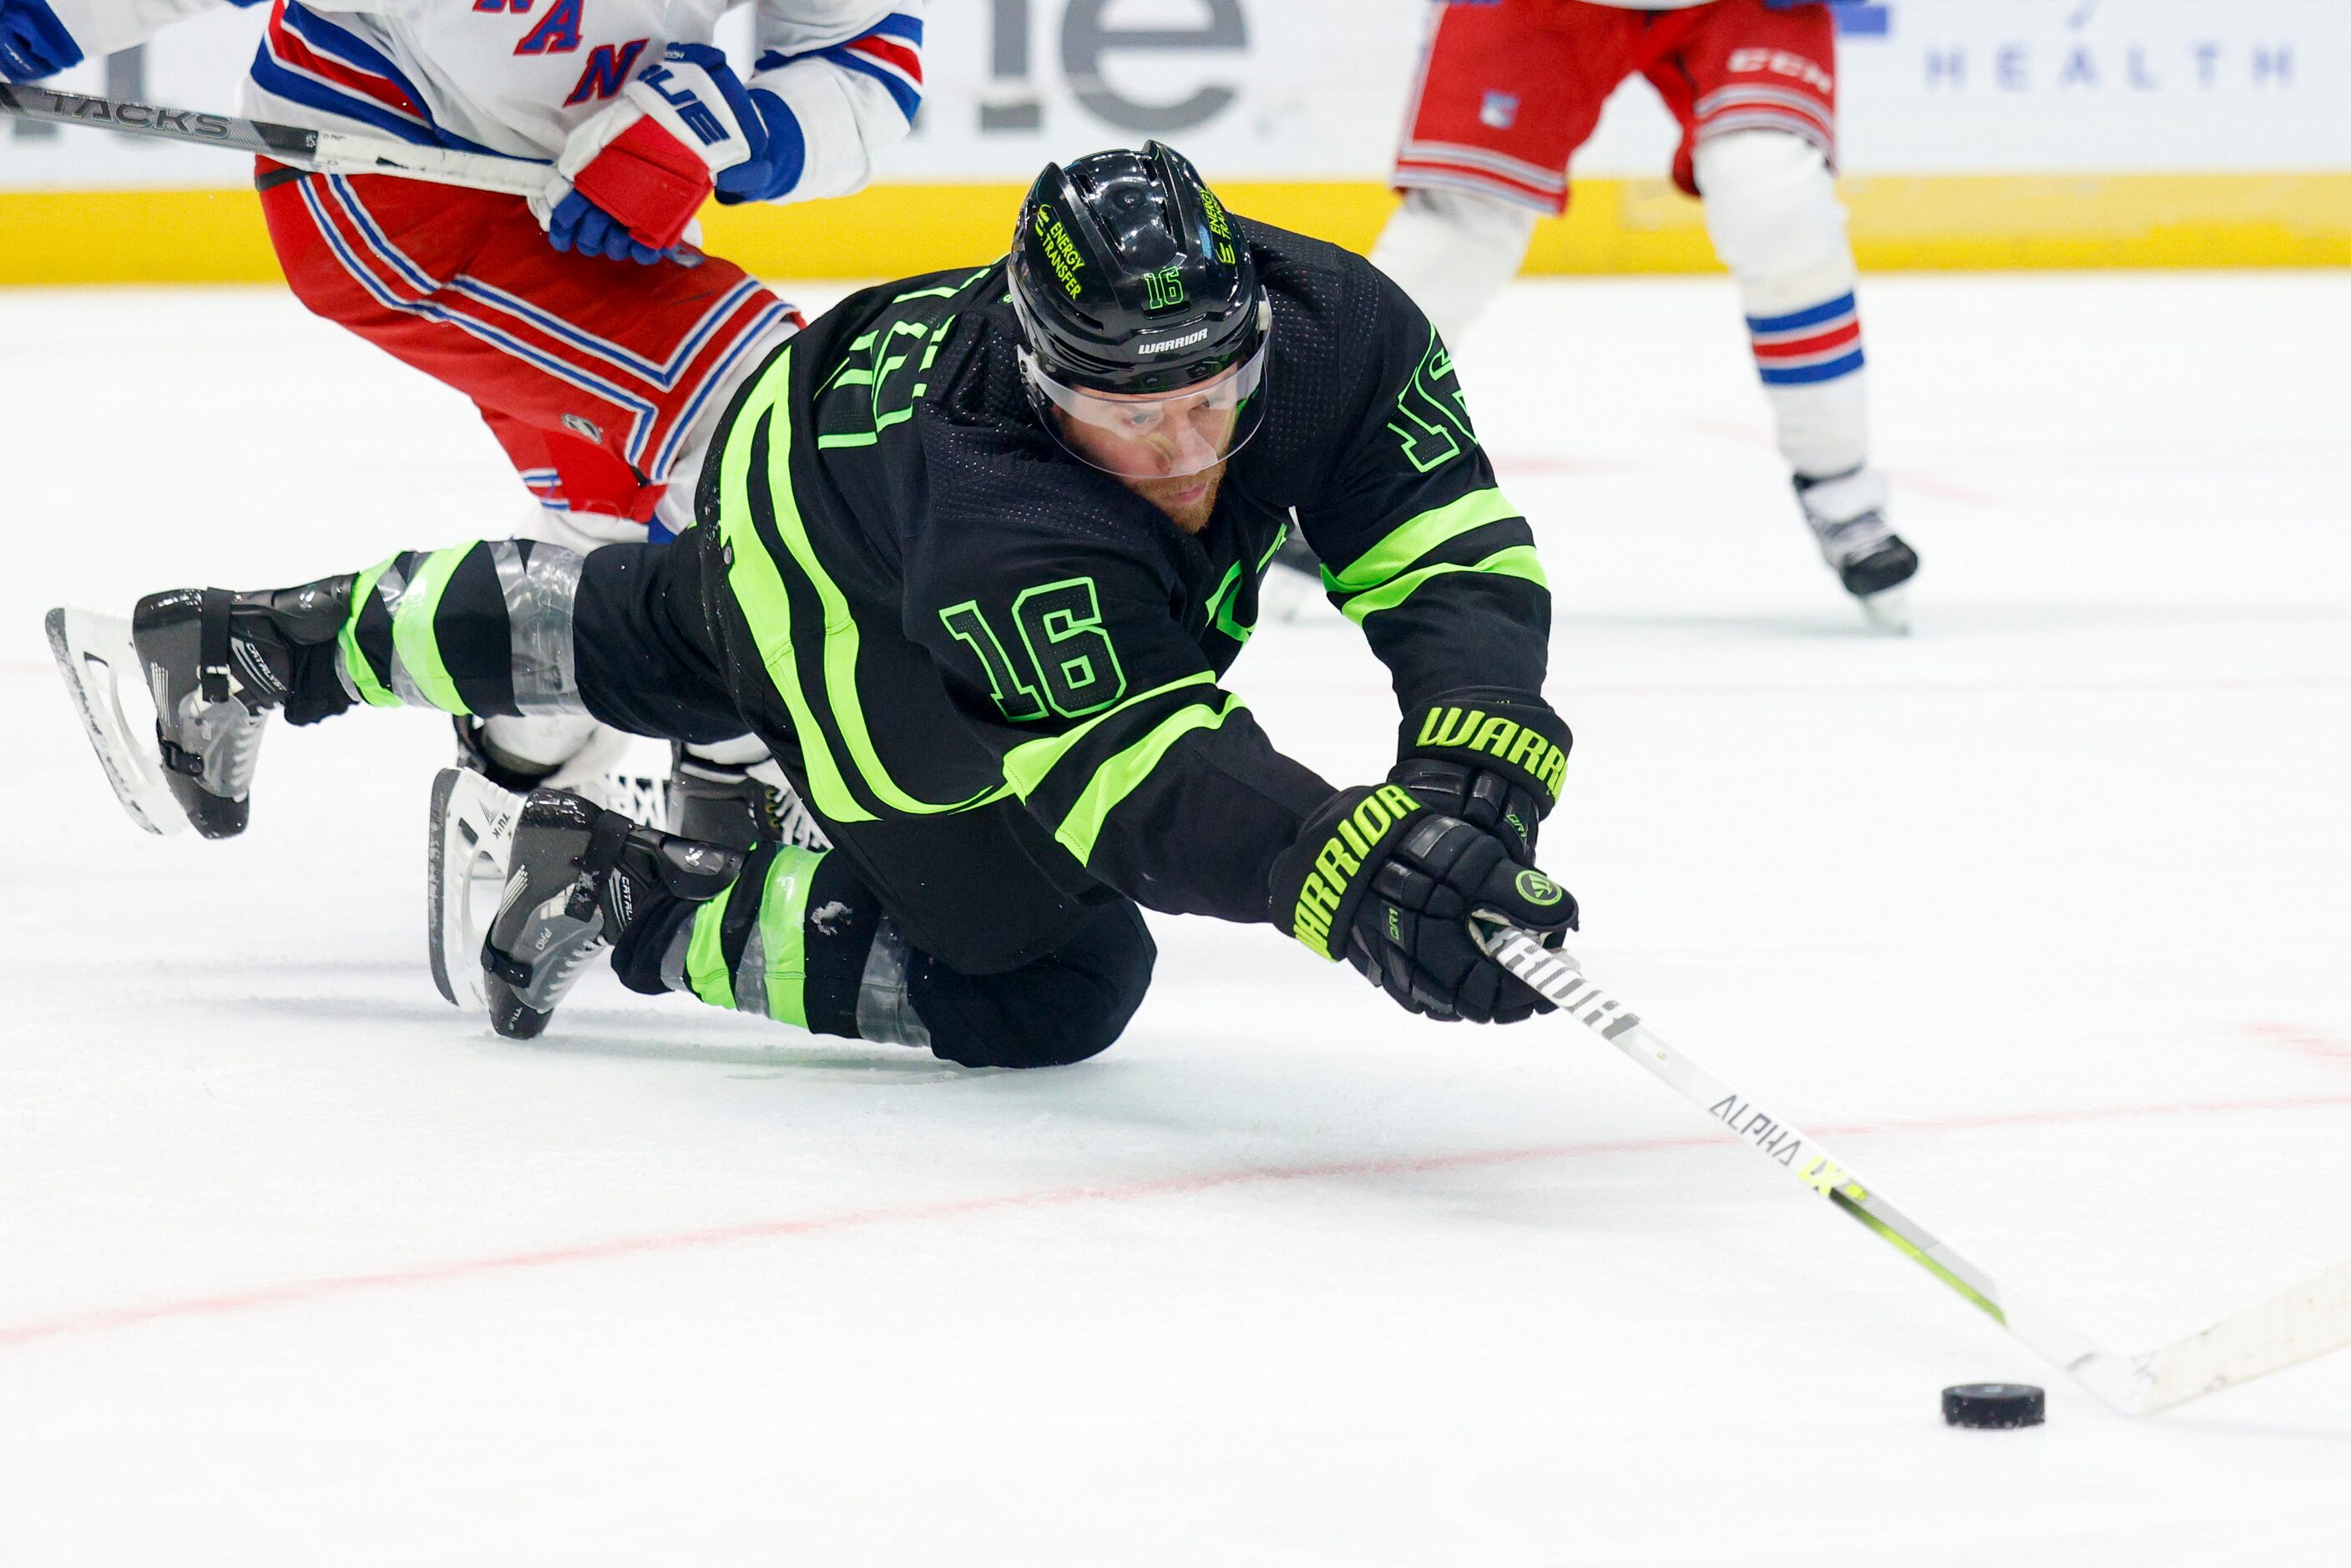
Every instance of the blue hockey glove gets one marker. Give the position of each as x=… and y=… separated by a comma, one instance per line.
x=33, y=42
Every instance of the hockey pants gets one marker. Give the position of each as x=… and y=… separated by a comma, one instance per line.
x=938, y=932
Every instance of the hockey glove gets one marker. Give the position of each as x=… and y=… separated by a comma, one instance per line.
x=1381, y=879
x=1494, y=758
x=33, y=42
x=630, y=180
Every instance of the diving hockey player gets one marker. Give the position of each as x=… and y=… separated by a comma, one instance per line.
x=599, y=346
x=974, y=549
x=1508, y=90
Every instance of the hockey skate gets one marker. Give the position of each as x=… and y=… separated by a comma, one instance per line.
x=572, y=877
x=721, y=802
x=1848, y=516
x=590, y=765
x=212, y=663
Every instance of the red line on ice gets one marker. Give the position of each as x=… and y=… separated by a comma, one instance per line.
x=76, y=1325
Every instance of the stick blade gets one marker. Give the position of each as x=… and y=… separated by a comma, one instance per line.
x=2293, y=1326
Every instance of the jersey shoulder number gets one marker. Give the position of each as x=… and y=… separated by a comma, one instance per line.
x=1059, y=659
x=1432, y=417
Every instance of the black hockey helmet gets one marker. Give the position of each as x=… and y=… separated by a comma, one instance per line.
x=1130, y=281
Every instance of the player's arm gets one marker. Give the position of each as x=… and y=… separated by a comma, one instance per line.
x=839, y=82
x=836, y=83
x=41, y=37
x=1111, y=726
x=1422, y=550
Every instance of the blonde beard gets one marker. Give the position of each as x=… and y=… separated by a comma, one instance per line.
x=1192, y=516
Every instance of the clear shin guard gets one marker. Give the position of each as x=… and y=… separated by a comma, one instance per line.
x=796, y=939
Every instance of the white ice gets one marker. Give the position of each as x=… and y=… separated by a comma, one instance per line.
x=2040, y=916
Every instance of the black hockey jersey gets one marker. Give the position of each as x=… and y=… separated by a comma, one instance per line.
x=943, y=607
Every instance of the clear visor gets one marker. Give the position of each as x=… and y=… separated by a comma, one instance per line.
x=1161, y=435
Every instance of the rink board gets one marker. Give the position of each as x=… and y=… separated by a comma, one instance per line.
x=1972, y=133
x=1957, y=222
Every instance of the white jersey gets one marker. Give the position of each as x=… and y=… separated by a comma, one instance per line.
x=516, y=76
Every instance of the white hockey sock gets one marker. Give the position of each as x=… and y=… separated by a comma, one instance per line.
x=1453, y=251
x=1772, y=212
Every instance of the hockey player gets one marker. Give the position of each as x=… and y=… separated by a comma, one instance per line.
x=974, y=549
x=599, y=346
x=1508, y=90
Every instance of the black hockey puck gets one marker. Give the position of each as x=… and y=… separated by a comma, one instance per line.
x=1994, y=1405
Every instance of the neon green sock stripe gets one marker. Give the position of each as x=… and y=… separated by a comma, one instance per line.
x=706, y=958
x=1025, y=765
x=783, y=932
x=373, y=692
x=1519, y=561
x=414, y=646
x=1120, y=777
x=1417, y=538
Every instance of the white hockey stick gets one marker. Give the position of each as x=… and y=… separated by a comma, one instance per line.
x=2307, y=1320
x=297, y=147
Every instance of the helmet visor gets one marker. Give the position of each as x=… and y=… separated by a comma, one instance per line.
x=1156, y=437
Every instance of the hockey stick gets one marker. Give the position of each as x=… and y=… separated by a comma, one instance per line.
x=320, y=151
x=2306, y=1321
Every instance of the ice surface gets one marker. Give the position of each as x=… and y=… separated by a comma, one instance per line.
x=2040, y=916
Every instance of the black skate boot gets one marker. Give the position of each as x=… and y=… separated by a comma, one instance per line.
x=577, y=878
x=726, y=803
x=215, y=662
x=1848, y=514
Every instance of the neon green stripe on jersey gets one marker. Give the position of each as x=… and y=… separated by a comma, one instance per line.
x=1027, y=765
x=414, y=647
x=1120, y=777
x=757, y=580
x=373, y=692
x=1519, y=561
x=758, y=586
x=1415, y=538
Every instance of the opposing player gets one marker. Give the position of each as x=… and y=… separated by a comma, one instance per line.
x=599, y=346
x=974, y=551
x=1510, y=88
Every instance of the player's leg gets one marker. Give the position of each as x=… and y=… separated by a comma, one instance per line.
x=1755, y=90
x=800, y=935
x=492, y=628
x=601, y=381
x=1507, y=92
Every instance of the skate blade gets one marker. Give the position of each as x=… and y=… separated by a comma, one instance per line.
x=1887, y=610
x=94, y=652
x=470, y=841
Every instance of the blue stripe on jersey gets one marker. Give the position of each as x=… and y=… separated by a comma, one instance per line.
x=898, y=25
x=903, y=91
x=1807, y=374
x=1811, y=318
x=352, y=50
x=275, y=79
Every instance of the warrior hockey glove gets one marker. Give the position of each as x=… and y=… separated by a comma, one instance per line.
x=1493, y=758
x=630, y=180
x=1380, y=879
x=33, y=42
